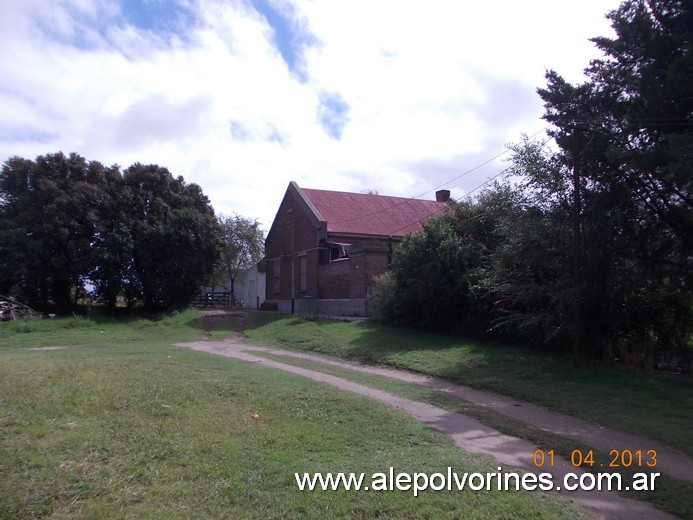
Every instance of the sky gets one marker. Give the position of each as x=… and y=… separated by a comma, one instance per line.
x=242, y=97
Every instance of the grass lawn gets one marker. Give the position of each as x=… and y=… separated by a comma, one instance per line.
x=659, y=406
x=671, y=495
x=121, y=424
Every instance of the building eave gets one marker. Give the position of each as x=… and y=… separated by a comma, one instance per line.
x=311, y=212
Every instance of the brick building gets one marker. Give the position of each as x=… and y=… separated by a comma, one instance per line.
x=325, y=247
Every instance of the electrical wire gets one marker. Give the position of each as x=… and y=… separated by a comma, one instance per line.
x=487, y=181
x=645, y=122
x=467, y=172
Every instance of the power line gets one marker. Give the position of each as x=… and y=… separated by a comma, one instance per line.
x=406, y=200
x=647, y=122
x=444, y=208
x=487, y=181
x=507, y=150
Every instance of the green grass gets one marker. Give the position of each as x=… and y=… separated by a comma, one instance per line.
x=654, y=405
x=671, y=495
x=97, y=329
x=121, y=424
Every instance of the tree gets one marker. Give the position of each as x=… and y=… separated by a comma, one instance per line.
x=242, y=246
x=632, y=119
x=15, y=214
x=65, y=222
x=47, y=226
x=529, y=279
x=175, y=236
x=627, y=131
x=439, y=276
x=591, y=251
x=112, y=268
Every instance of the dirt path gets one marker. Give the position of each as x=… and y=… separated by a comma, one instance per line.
x=669, y=460
x=470, y=435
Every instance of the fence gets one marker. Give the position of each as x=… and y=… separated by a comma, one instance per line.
x=217, y=299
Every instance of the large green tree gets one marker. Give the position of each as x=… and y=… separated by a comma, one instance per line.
x=591, y=251
x=112, y=271
x=66, y=223
x=626, y=135
x=48, y=226
x=15, y=216
x=175, y=235
x=442, y=276
x=629, y=124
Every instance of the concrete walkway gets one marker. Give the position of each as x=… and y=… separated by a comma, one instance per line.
x=472, y=436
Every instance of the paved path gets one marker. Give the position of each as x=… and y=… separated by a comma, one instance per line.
x=470, y=435
x=669, y=460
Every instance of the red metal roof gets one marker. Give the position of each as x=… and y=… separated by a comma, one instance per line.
x=365, y=214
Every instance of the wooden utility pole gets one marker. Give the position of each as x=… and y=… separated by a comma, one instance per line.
x=577, y=255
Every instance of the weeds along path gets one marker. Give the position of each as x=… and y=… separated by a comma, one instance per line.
x=669, y=460
x=471, y=435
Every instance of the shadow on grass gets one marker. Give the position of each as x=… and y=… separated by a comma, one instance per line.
x=222, y=324
x=549, y=378
x=455, y=356
x=658, y=405
x=123, y=315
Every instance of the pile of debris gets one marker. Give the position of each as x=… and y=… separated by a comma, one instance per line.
x=11, y=309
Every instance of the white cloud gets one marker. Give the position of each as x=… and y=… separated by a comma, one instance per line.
x=426, y=90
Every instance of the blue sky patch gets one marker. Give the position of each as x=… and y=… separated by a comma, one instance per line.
x=333, y=114
x=290, y=36
x=162, y=18
x=165, y=19
x=158, y=16
x=241, y=132
x=27, y=135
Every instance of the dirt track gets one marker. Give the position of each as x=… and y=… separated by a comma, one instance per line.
x=470, y=435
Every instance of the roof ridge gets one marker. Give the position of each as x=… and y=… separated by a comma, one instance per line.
x=367, y=194
x=371, y=214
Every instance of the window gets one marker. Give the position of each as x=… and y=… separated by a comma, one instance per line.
x=338, y=251
x=276, y=266
x=303, y=270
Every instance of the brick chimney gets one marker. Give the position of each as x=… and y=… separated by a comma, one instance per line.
x=442, y=195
